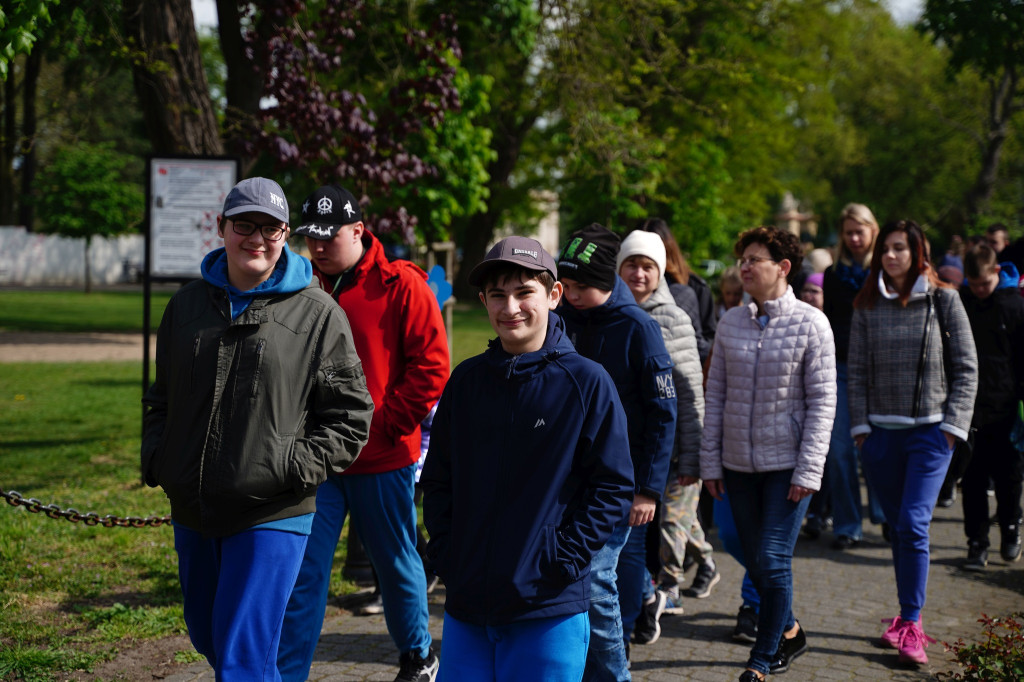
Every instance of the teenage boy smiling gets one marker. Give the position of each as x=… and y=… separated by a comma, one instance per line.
x=527, y=474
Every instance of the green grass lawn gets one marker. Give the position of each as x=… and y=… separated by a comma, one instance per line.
x=72, y=594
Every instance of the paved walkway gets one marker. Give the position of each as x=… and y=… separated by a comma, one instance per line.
x=840, y=599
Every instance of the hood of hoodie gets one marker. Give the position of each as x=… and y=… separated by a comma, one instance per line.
x=621, y=297
x=661, y=296
x=1008, y=276
x=292, y=273
x=556, y=344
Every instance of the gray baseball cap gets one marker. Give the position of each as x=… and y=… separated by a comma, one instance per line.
x=522, y=251
x=261, y=195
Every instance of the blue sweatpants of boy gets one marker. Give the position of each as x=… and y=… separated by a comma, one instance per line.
x=235, y=591
x=548, y=649
x=384, y=515
x=907, y=468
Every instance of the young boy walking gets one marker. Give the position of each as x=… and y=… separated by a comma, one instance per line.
x=606, y=325
x=527, y=475
x=996, y=312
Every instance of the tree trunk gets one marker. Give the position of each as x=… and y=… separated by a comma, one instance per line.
x=169, y=78
x=8, y=141
x=29, y=124
x=245, y=77
x=1001, y=109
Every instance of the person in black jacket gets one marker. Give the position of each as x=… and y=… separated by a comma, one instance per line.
x=996, y=312
x=258, y=396
x=527, y=475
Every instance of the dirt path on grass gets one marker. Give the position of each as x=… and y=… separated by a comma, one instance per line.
x=63, y=347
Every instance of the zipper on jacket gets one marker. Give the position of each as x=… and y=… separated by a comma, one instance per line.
x=260, y=347
x=753, y=402
x=195, y=361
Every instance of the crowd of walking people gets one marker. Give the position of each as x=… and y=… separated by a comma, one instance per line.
x=574, y=465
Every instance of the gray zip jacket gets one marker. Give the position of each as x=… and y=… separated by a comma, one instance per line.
x=771, y=392
x=885, y=352
x=248, y=416
x=687, y=373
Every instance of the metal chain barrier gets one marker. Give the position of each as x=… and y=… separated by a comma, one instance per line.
x=16, y=499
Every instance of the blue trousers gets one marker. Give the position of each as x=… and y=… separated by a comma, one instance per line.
x=633, y=580
x=768, y=525
x=907, y=467
x=606, y=655
x=730, y=538
x=235, y=590
x=384, y=515
x=549, y=649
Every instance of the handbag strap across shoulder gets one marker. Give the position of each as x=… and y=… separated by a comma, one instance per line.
x=925, y=336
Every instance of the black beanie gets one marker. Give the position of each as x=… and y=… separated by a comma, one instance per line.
x=589, y=257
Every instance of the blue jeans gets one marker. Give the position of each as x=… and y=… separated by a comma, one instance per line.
x=606, y=656
x=907, y=467
x=633, y=580
x=235, y=590
x=543, y=649
x=842, y=472
x=768, y=525
x=384, y=515
x=731, y=541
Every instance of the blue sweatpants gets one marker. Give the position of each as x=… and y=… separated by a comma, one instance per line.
x=384, y=515
x=907, y=467
x=235, y=590
x=549, y=649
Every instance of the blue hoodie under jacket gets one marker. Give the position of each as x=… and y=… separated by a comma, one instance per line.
x=526, y=477
x=626, y=341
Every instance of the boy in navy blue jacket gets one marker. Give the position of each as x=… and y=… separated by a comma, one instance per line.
x=527, y=475
x=996, y=312
x=606, y=325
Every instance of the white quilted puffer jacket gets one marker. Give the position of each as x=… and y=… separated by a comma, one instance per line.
x=771, y=392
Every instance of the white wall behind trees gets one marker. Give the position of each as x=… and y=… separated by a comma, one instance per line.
x=32, y=259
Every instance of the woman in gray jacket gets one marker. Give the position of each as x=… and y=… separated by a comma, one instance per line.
x=769, y=406
x=913, y=379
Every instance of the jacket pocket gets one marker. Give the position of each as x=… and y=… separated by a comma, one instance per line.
x=263, y=472
x=256, y=374
x=796, y=431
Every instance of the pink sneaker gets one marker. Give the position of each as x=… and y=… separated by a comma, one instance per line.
x=912, y=643
x=891, y=637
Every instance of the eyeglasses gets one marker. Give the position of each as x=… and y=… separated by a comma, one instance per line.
x=271, y=233
x=751, y=261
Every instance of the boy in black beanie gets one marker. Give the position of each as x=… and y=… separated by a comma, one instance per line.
x=606, y=325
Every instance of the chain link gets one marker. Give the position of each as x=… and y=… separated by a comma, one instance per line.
x=16, y=499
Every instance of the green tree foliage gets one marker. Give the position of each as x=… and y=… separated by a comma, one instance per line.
x=86, y=190
x=20, y=22
x=986, y=36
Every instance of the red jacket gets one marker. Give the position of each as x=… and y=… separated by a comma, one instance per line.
x=400, y=338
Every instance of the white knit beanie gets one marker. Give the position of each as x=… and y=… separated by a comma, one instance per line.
x=640, y=243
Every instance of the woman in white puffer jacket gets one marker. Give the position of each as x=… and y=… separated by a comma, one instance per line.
x=769, y=407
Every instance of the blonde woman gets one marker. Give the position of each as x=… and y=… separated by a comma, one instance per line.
x=858, y=230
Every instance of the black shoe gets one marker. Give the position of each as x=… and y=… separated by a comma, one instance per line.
x=750, y=676
x=746, y=625
x=947, y=497
x=1010, y=546
x=707, y=576
x=977, y=557
x=415, y=668
x=886, y=532
x=844, y=542
x=789, y=650
x=647, y=628
x=812, y=528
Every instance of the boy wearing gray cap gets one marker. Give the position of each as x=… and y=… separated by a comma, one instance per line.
x=258, y=396
x=527, y=474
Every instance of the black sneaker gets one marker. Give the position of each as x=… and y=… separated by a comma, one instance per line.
x=415, y=668
x=746, y=625
x=647, y=628
x=812, y=527
x=947, y=497
x=707, y=576
x=977, y=557
x=1011, y=546
x=372, y=607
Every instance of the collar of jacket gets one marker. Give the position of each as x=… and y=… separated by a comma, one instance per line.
x=661, y=296
x=919, y=291
x=556, y=344
x=776, y=306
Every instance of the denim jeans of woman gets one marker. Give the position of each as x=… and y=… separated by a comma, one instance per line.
x=768, y=525
x=907, y=467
